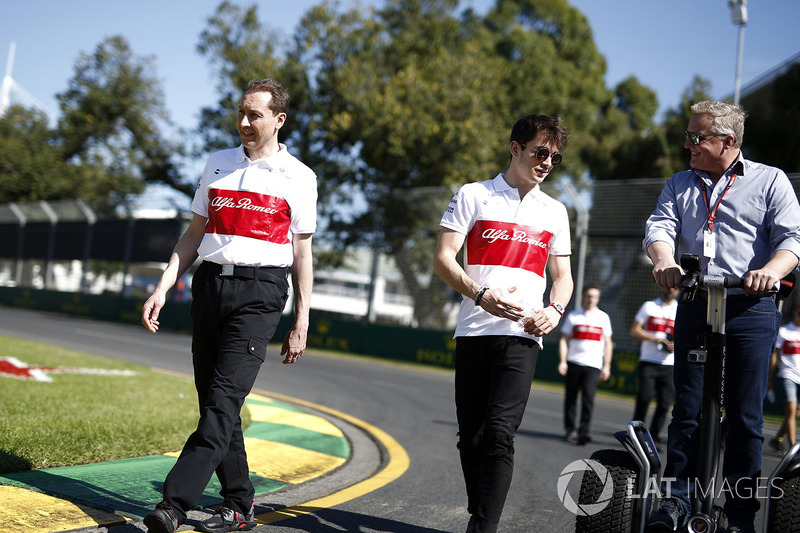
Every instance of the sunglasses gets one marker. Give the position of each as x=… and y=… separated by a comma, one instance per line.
x=543, y=153
x=697, y=138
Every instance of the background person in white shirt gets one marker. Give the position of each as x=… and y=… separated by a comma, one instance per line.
x=584, y=352
x=654, y=325
x=787, y=358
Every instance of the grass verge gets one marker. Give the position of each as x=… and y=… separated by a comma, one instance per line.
x=84, y=418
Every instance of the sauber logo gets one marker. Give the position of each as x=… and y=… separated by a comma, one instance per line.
x=243, y=203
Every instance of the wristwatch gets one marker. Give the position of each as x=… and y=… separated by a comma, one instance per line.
x=558, y=307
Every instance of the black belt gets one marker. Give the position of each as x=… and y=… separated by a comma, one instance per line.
x=265, y=273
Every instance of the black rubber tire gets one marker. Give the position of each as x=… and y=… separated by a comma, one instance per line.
x=785, y=506
x=617, y=516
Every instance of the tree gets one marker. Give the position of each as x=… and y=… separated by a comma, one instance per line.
x=112, y=112
x=33, y=166
x=408, y=100
x=30, y=159
x=675, y=121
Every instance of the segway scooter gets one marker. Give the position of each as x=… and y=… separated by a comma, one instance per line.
x=628, y=480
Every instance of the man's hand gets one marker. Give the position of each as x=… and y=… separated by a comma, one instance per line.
x=151, y=309
x=668, y=274
x=543, y=322
x=760, y=282
x=294, y=344
x=500, y=303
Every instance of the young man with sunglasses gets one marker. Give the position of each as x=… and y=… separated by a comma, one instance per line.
x=743, y=220
x=513, y=232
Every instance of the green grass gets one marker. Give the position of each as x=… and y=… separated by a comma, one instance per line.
x=77, y=419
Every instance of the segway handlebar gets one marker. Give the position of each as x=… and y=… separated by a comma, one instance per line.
x=693, y=280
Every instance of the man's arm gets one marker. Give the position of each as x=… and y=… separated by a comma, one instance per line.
x=608, y=350
x=637, y=331
x=545, y=320
x=294, y=344
x=762, y=280
x=183, y=255
x=448, y=268
x=563, y=346
x=666, y=271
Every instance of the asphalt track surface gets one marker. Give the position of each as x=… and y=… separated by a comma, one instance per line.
x=403, y=475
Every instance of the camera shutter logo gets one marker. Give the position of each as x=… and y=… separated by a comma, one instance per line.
x=585, y=509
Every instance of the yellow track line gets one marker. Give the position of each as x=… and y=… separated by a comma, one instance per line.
x=398, y=464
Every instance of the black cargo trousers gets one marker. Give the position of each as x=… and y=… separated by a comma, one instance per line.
x=235, y=314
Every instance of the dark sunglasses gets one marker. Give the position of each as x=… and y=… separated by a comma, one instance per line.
x=543, y=153
x=697, y=138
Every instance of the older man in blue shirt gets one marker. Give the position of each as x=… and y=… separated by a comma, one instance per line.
x=743, y=220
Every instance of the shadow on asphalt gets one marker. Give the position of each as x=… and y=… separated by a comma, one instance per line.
x=335, y=521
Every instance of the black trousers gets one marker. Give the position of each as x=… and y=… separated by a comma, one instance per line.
x=493, y=382
x=233, y=320
x=580, y=379
x=655, y=381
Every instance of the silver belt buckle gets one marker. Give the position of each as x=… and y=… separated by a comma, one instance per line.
x=227, y=270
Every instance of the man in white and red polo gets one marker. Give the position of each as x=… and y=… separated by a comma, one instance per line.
x=584, y=352
x=254, y=215
x=511, y=233
x=654, y=325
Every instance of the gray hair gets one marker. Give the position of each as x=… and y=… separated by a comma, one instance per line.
x=727, y=119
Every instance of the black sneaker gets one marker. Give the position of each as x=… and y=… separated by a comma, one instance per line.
x=225, y=519
x=583, y=440
x=667, y=517
x=162, y=520
x=776, y=444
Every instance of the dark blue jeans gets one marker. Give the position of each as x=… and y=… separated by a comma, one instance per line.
x=233, y=321
x=751, y=329
x=493, y=382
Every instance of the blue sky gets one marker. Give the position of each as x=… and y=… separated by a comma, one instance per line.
x=663, y=43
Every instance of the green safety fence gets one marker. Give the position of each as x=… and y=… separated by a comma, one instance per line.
x=398, y=343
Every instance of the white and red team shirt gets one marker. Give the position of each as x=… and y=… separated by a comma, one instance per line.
x=508, y=242
x=586, y=332
x=658, y=318
x=254, y=207
x=789, y=344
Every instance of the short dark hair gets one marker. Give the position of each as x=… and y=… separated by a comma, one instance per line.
x=588, y=287
x=279, y=103
x=530, y=126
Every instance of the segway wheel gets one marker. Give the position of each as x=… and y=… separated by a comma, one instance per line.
x=785, y=506
x=607, y=493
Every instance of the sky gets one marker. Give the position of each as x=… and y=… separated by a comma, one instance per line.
x=664, y=44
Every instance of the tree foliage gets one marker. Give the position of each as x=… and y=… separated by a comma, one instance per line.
x=112, y=112
x=403, y=102
x=108, y=142
x=32, y=167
